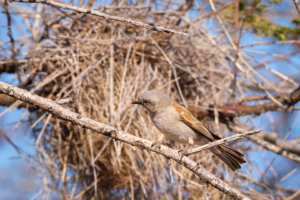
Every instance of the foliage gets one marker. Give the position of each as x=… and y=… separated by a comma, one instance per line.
x=252, y=15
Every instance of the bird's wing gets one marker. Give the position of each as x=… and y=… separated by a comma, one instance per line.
x=193, y=122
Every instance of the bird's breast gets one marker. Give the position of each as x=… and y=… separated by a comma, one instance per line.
x=168, y=122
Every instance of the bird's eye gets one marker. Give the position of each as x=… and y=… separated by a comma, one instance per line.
x=145, y=101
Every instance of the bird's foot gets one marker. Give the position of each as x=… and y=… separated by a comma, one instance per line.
x=158, y=143
x=183, y=152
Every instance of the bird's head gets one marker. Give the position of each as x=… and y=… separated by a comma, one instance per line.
x=153, y=100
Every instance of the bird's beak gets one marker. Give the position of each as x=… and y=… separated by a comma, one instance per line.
x=136, y=101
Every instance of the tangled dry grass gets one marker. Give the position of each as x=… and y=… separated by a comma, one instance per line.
x=103, y=65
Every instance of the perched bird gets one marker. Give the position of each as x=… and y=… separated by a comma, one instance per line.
x=179, y=125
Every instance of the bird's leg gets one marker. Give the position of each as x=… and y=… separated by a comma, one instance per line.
x=183, y=152
x=171, y=143
x=159, y=142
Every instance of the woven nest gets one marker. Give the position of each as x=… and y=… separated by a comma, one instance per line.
x=104, y=65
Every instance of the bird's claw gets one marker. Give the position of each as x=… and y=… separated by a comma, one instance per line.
x=156, y=144
x=182, y=152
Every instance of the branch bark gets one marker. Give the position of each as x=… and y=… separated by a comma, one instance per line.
x=240, y=110
x=65, y=114
x=103, y=15
x=205, y=189
x=297, y=6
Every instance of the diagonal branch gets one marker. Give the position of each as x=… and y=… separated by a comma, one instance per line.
x=297, y=6
x=267, y=145
x=103, y=15
x=65, y=114
x=222, y=141
x=278, y=150
x=290, y=145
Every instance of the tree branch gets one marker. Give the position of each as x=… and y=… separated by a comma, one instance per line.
x=103, y=15
x=65, y=114
x=205, y=189
x=240, y=110
x=222, y=141
x=290, y=145
x=275, y=149
x=265, y=144
x=11, y=66
x=297, y=6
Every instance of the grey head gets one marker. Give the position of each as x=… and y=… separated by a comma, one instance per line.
x=154, y=101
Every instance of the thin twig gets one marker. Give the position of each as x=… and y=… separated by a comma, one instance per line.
x=128, y=7
x=290, y=145
x=10, y=35
x=275, y=149
x=103, y=15
x=174, y=71
x=222, y=141
x=272, y=42
x=205, y=189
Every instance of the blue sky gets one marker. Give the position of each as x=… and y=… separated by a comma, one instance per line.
x=15, y=172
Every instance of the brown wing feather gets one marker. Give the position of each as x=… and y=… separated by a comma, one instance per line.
x=230, y=156
x=193, y=122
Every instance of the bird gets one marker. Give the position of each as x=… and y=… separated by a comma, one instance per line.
x=179, y=125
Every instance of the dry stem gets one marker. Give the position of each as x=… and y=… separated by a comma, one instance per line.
x=103, y=15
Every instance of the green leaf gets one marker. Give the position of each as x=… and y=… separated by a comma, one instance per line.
x=282, y=37
x=296, y=21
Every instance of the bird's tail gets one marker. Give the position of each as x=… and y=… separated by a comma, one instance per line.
x=230, y=156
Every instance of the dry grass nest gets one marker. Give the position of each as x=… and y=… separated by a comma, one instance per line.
x=103, y=66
